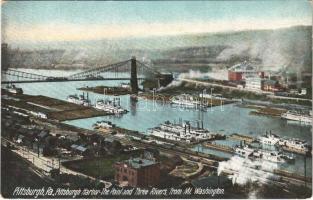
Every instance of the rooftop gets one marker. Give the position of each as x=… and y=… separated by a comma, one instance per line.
x=78, y=147
x=270, y=82
x=139, y=162
x=243, y=67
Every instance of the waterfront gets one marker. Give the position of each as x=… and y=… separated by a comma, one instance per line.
x=145, y=114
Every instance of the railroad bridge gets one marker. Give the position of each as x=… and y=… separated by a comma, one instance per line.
x=116, y=71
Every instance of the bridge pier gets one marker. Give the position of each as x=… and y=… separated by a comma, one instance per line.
x=133, y=76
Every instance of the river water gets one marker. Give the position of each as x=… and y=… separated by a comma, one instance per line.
x=146, y=114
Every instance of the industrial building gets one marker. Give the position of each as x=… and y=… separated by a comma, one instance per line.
x=137, y=172
x=243, y=70
x=271, y=85
x=254, y=83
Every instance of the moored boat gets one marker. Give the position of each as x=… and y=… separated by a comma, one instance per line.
x=79, y=99
x=263, y=155
x=103, y=124
x=269, y=139
x=14, y=90
x=182, y=131
x=302, y=117
x=187, y=100
x=110, y=106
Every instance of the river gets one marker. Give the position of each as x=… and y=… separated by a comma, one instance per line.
x=146, y=114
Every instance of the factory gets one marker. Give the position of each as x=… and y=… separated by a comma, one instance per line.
x=241, y=71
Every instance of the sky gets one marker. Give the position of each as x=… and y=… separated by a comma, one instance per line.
x=37, y=21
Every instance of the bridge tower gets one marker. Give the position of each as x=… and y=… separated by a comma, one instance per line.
x=133, y=75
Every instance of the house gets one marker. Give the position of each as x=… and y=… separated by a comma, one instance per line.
x=73, y=138
x=80, y=150
x=137, y=172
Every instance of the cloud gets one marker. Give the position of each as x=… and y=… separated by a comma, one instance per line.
x=75, y=32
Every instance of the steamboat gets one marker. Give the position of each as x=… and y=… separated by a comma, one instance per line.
x=79, y=99
x=14, y=90
x=110, y=106
x=263, y=155
x=288, y=144
x=186, y=100
x=182, y=132
x=103, y=125
x=305, y=118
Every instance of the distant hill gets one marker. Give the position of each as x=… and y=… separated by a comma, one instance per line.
x=287, y=48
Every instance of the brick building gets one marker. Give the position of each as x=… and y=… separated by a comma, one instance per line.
x=243, y=70
x=137, y=172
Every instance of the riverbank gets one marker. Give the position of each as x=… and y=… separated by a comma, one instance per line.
x=166, y=98
x=232, y=92
x=48, y=108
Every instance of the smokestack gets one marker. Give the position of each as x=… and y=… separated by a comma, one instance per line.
x=198, y=125
x=202, y=124
x=185, y=128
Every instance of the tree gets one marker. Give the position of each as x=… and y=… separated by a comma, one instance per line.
x=116, y=147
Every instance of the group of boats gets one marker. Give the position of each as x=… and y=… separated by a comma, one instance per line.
x=108, y=105
x=263, y=155
x=288, y=144
x=182, y=132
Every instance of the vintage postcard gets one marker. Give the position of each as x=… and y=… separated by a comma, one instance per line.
x=156, y=99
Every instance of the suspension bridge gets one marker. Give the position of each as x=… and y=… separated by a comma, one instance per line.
x=107, y=72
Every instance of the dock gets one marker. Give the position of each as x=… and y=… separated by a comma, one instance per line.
x=218, y=147
x=44, y=107
x=240, y=137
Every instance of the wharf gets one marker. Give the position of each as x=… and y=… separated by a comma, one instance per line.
x=269, y=111
x=245, y=138
x=219, y=147
x=49, y=108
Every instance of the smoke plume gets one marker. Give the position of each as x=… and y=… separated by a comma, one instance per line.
x=244, y=170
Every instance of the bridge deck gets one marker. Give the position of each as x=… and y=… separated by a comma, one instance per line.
x=38, y=81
